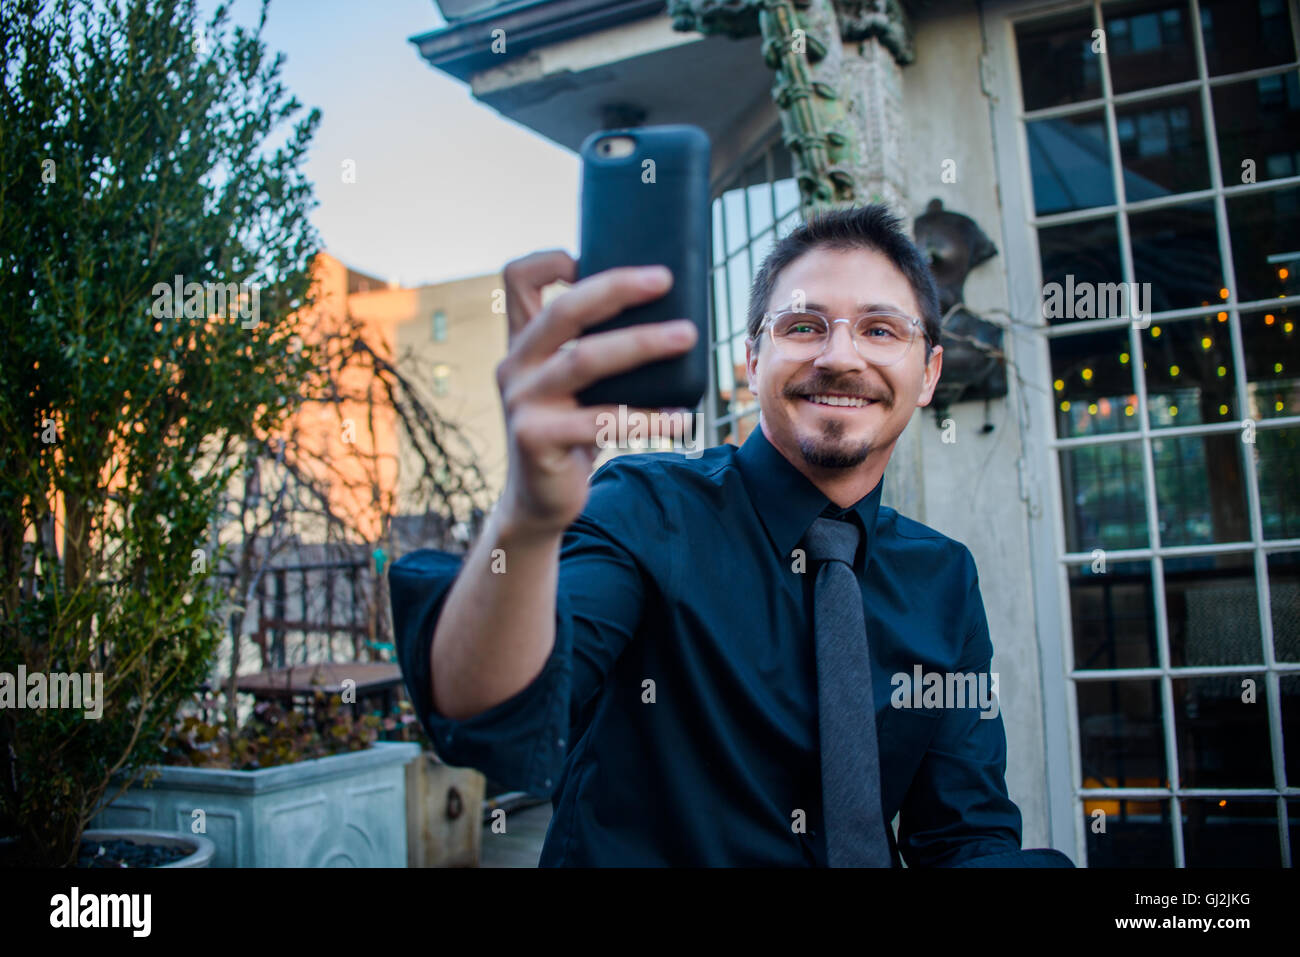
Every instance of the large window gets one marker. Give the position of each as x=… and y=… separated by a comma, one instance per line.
x=1162, y=149
x=757, y=204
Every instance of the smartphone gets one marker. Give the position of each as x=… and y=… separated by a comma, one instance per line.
x=645, y=201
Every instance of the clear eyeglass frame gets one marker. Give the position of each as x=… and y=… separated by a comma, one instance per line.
x=879, y=354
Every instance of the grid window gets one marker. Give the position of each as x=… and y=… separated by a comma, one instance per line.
x=756, y=206
x=1170, y=183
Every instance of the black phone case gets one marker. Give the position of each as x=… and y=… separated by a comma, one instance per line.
x=626, y=221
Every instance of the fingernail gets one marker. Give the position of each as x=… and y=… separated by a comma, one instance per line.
x=655, y=276
x=682, y=330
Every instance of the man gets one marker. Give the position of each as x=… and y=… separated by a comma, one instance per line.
x=700, y=659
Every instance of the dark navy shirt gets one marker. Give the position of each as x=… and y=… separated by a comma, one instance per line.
x=675, y=721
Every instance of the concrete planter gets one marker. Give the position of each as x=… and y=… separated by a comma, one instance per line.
x=347, y=810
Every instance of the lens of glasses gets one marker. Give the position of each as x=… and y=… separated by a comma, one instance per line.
x=880, y=337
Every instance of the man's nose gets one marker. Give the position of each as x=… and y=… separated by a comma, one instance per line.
x=840, y=352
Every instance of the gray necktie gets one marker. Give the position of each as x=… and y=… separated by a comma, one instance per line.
x=855, y=825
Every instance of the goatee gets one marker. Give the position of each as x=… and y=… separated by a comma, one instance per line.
x=827, y=453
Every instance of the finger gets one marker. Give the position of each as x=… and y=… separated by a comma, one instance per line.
x=526, y=277
x=600, y=355
x=590, y=302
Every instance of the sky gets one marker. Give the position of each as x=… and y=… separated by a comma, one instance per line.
x=445, y=186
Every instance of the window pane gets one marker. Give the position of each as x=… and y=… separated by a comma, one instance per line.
x=1121, y=741
x=739, y=277
x=1200, y=489
x=1284, y=606
x=1137, y=834
x=1265, y=231
x=1162, y=147
x=1101, y=492
x=759, y=197
x=1222, y=740
x=1079, y=259
x=1245, y=34
x=1112, y=614
x=719, y=252
x=1277, y=461
x=1069, y=161
x=1057, y=64
x=787, y=196
x=1272, y=348
x=1289, y=689
x=1213, y=610
x=721, y=312
x=1258, y=124
x=733, y=211
x=1189, y=372
x=1176, y=250
x=758, y=251
x=1148, y=43
x=724, y=376
x=1231, y=832
x=783, y=184
x=1092, y=381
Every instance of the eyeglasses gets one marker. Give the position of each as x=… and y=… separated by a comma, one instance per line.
x=880, y=337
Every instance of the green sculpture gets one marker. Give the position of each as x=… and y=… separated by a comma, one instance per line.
x=802, y=43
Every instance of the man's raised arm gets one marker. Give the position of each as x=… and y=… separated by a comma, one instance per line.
x=497, y=627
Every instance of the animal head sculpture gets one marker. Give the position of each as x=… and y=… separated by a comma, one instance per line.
x=972, y=365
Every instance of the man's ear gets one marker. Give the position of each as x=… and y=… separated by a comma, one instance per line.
x=933, y=370
x=751, y=364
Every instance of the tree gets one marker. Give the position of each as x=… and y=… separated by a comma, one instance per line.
x=297, y=489
x=154, y=267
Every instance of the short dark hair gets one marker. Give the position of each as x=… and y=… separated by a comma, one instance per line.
x=857, y=227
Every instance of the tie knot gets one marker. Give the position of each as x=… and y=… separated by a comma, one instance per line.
x=829, y=539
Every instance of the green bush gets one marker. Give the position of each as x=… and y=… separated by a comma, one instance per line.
x=133, y=151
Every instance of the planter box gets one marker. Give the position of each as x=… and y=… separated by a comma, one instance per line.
x=347, y=810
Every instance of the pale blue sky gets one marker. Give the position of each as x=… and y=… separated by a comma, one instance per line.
x=445, y=186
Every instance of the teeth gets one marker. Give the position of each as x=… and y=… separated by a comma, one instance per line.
x=838, y=400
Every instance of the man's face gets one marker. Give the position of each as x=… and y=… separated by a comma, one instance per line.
x=833, y=437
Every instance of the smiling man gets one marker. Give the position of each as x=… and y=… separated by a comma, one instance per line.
x=694, y=656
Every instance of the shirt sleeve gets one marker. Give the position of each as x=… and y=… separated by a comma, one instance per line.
x=522, y=741
x=958, y=808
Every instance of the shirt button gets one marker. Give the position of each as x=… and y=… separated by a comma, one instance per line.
x=548, y=782
x=560, y=742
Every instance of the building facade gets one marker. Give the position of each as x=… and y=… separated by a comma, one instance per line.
x=1131, y=500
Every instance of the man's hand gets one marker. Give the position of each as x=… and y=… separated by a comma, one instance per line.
x=496, y=631
x=551, y=438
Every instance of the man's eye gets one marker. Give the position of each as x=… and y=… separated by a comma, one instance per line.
x=881, y=330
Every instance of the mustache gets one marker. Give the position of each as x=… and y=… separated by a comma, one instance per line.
x=823, y=386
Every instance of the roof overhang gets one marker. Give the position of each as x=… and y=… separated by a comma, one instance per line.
x=574, y=66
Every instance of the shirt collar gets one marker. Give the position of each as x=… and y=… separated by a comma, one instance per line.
x=787, y=502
